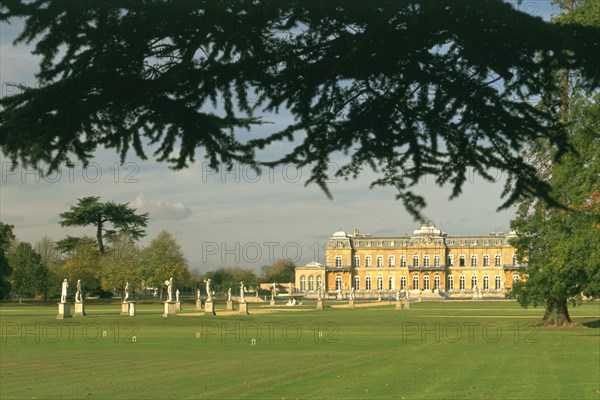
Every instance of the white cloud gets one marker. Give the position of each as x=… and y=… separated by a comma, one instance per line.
x=162, y=209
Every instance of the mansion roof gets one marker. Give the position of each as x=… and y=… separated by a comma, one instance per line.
x=426, y=235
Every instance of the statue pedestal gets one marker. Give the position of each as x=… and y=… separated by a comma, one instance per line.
x=170, y=309
x=64, y=311
x=229, y=305
x=132, y=308
x=125, y=308
x=319, y=304
x=198, y=304
x=406, y=304
x=178, y=305
x=244, y=308
x=399, y=305
x=209, y=308
x=79, y=309
x=351, y=303
x=272, y=302
x=379, y=297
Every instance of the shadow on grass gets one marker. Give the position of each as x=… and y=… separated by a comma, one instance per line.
x=592, y=324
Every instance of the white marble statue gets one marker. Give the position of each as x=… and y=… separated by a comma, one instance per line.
x=242, y=289
x=63, y=293
x=208, y=289
x=177, y=295
x=126, y=292
x=352, y=293
x=398, y=295
x=169, y=285
x=229, y=295
x=273, y=291
x=197, y=294
x=79, y=293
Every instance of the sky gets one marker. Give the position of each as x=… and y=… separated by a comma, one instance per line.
x=230, y=218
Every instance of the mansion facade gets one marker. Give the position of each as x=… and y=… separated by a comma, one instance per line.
x=428, y=263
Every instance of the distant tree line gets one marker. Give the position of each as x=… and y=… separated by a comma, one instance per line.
x=108, y=261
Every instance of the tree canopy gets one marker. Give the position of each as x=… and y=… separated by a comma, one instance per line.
x=405, y=88
x=90, y=211
x=85, y=263
x=163, y=259
x=6, y=238
x=121, y=264
x=29, y=272
x=562, y=247
x=224, y=278
x=281, y=271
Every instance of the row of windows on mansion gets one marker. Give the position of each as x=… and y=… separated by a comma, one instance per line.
x=495, y=282
x=391, y=261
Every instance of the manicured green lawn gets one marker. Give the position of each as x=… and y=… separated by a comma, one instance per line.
x=451, y=350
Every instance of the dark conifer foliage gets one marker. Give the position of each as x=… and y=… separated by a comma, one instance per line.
x=407, y=88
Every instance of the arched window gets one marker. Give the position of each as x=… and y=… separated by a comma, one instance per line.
x=403, y=261
x=473, y=260
x=498, y=260
x=391, y=283
x=403, y=283
x=357, y=282
x=486, y=260
x=302, y=283
x=450, y=283
x=436, y=282
x=473, y=282
x=461, y=260
x=426, y=261
x=368, y=283
x=415, y=261
x=451, y=260
x=338, y=283
x=498, y=282
x=486, y=283
x=357, y=261
x=436, y=260
x=320, y=282
x=380, y=283
x=311, y=283
x=426, y=282
x=367, y=261
x=415, y=282
x=391, y=261
x=338, y=261
x=462, y=282
x=379, y=261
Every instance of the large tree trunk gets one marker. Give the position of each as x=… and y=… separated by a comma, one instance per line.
x=99, y=237
x=557, y=313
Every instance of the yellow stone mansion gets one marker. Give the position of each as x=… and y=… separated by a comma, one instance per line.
x=428, y=263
